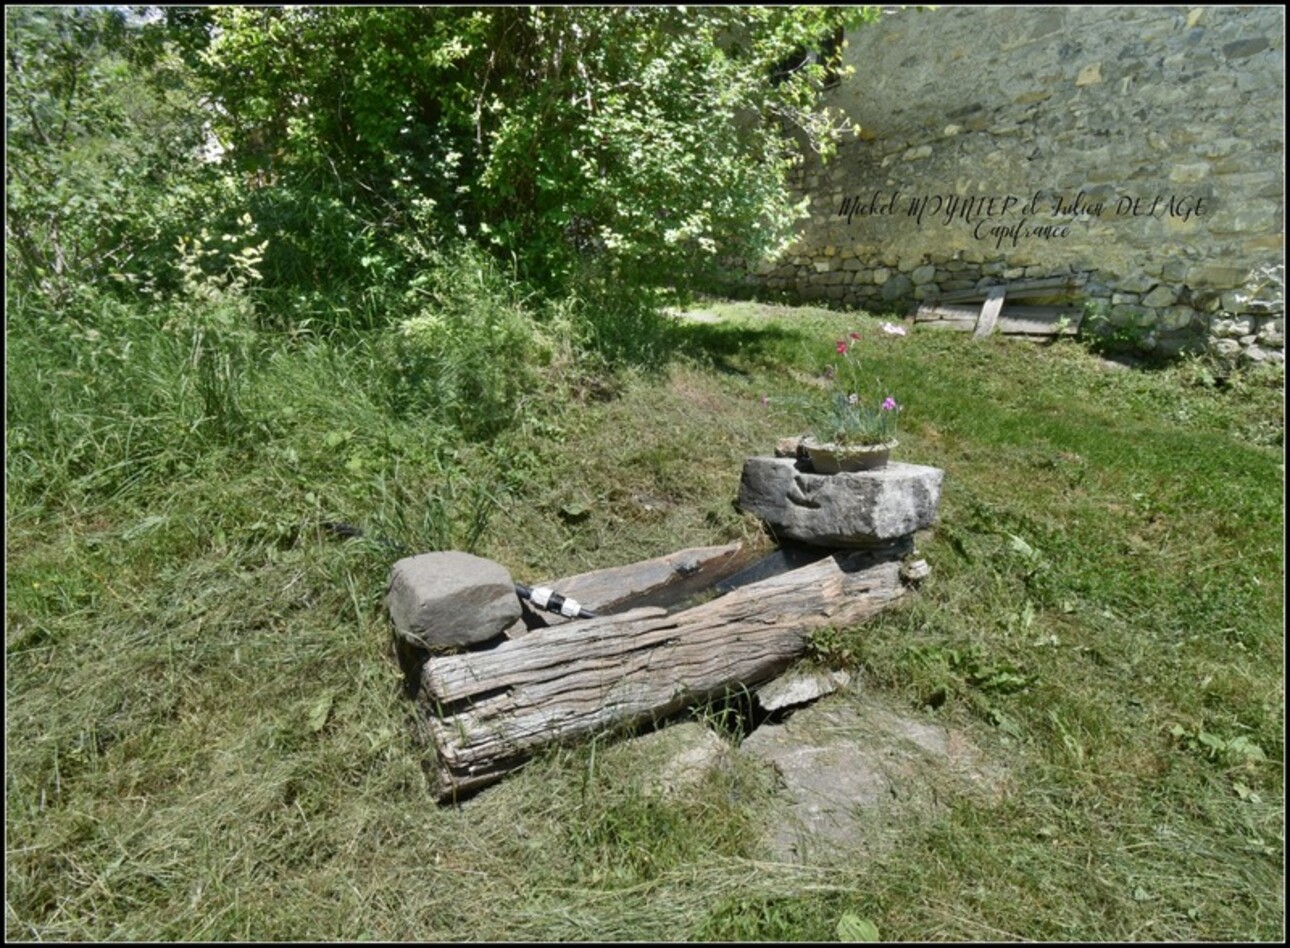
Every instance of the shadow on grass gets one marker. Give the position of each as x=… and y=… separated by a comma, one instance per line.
x=732, y=348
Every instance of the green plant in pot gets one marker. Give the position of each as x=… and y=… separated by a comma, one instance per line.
x=851, y=430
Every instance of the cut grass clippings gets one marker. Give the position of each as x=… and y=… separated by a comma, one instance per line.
x=207, y=736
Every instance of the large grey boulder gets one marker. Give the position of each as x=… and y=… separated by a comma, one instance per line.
x=437, y=600
x=851, y=509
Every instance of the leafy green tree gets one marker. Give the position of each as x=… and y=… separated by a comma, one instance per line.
x=644, y=142
x=102, y=128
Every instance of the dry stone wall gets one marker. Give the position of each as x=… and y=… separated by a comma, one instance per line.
x=1138, y=150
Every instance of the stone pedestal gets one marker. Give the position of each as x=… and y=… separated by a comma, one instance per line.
x=858, y=509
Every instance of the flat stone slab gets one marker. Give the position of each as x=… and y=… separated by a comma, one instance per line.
x=798, y=688
x=672, y=759
x=850, y=509
x=855, y=774
x=445, y=599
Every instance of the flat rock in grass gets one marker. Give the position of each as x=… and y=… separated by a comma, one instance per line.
x=440, y=600
x=674, y=758
x=856, y=775
x=851, y=509
x=798, y=688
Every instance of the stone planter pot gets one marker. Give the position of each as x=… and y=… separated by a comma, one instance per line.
x=829, y=458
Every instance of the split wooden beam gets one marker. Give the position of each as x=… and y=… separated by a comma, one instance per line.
x=489, y=711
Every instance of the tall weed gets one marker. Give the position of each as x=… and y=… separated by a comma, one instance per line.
x=470, y=348
x=92, y=402
x=105, y=393
x=620, y=324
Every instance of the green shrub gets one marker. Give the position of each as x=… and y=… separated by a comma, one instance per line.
x=467, y=354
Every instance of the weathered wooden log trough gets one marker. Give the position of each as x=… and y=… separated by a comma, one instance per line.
x=536, y=680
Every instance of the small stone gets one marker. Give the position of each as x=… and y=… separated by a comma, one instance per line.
x=1241, y=49
x=915, y=571
x=1234, y=301
x=1090, y=75
x=677, y=758
x=1189, y=173
x=788, y=447
x=1136, y=283
x=924, y=274
x=1160, y=296
x=1253, y=354
x=436, y=600
x=1216, y=276
x=792, y=690
x=896, y=288
x=1031, y=98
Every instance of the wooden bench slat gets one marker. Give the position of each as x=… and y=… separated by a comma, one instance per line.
x=989, y=312
x=1012, y=320
x=1030, y=288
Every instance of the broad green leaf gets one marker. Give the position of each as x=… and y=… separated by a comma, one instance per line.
x=320, y=711
x=854, y=928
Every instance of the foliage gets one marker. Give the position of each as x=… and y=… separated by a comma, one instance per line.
x=1108, y=334
x=212, y=315
x=99, y=170
x=639, y=142
x=469, y=353
x=828, y=646
x=775, y=918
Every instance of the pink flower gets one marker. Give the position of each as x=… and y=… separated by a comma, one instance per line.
x=855, y=335
x=842, y=347
x=765, y=399
x=889, y=404
x=891, y=330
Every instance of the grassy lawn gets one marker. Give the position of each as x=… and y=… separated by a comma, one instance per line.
x=207, y=736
